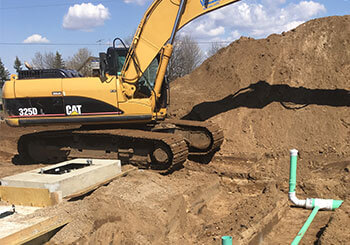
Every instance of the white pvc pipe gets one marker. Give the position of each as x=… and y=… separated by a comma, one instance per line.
x=293, y=198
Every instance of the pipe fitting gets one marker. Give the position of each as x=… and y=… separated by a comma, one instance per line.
x=325, y=204
x=293, y=152
x=293, y=198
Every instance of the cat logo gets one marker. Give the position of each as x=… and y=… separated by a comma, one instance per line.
x=73, y=110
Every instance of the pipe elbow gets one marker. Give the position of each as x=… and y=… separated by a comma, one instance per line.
x=293, y=198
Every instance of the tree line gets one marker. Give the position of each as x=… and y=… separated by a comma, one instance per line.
x=187, y=55
x=50, y=60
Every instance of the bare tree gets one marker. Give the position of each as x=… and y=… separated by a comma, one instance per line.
x=186, y=56
x=128, y=40
x=43, y=61
x=38, y=61
x=78, y=59
x=214, y=48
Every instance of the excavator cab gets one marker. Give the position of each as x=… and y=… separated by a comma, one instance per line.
x=112, y=62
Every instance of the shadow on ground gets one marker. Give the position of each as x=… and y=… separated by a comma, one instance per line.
x=261, y=94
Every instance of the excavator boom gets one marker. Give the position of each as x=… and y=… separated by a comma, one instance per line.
x=157, y=26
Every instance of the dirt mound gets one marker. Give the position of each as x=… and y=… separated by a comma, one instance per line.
x=289, y=90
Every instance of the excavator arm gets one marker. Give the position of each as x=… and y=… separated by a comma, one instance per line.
x=156, y=33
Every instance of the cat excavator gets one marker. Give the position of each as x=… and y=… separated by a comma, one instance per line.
x=123, y=110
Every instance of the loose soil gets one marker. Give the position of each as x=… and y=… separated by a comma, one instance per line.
x=268, y=95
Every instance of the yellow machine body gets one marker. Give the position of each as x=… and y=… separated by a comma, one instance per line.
x=73, y=101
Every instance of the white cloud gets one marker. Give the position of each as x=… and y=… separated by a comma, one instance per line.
x=139, y=2
x=255, y=18
x=273, y=3
x=235, y=35
x=304, y=10
x=204, y=30
x=85, y=16
x=36, y=38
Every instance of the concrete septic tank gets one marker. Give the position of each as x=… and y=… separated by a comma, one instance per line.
x=68, y=177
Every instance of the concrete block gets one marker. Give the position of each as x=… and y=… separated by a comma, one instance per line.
x=68, y=177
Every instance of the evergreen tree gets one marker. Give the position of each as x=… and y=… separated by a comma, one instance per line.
x=58, y=62
x=4, y=74
x=17, y=65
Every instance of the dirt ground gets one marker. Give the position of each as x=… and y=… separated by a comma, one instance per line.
x=269, y=95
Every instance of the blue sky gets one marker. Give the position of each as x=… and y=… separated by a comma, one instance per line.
x=27, y=27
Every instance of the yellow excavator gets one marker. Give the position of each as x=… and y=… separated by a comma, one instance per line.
x=123, y=110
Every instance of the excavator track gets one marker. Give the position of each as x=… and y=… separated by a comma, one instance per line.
x=159, y=151
x=161, y=147
x=214, y=134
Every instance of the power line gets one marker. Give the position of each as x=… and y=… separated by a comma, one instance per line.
x=50, y=5
x=210, y=42
x=35, y=6
x=53, y=44
x=87, y=44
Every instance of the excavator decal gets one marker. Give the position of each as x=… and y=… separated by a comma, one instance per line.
x=208, y=4
x=48, y=107
x=73, y=110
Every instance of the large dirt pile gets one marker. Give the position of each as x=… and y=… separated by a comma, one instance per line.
x=289, y=90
